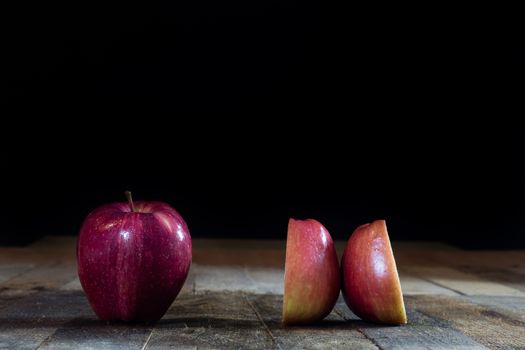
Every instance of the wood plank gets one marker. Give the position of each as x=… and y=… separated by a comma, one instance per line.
x=256, y=280
x=8, y=271
x=222, y=278
x=11, y=255
x=512, y=307
x=414, y=253
x=240, y=257
x=235, y=252
x=49, y=276
x=414, y=285
x=507, y=276
x=518, y=267
x=455, y=300
x=464, y=283
x=471, y=258
x=28, y=321
x=213, y=320
x=411, y=338
x=189, y=284
x=90, y=333
x=267, y=280
x=485, y=258
x=74, y=284
x=9, y=296
x=421, y=332
x=64, y=320
x=331, y=333
x=488, y=327
x=51, y=249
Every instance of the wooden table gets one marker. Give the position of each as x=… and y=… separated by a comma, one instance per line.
x=455, y=299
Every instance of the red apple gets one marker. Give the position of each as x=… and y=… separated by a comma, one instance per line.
x=133, y=259
x=311, y=277
x=370, y=281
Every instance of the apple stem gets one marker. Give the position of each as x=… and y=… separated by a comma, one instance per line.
x=130, y=201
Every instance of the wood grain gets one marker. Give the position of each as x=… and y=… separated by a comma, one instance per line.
x=90, y=333
x=213, y=320
x=232, y=299
x=45, y=276
x=267, y=280
x=331, y=333
x=422, y=331
x=488, y=327
x=511, y=277
x=512, y=307
x=413, y=284
x=463, y=283
x=8, y=271
x=222, y=278
x=9, y=296
x=28, y=321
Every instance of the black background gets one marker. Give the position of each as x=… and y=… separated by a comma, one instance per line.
x=244, y=114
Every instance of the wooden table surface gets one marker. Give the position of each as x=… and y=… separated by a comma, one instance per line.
x=232, y=299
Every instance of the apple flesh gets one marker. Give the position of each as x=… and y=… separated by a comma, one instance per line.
x=370, y=282
x=311, y=278
x=133, y=259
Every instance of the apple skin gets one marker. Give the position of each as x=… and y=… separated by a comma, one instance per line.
x=311, y=278
x=132, y=265
x=370, y=282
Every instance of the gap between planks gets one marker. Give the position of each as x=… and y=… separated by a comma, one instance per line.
x=262, y=322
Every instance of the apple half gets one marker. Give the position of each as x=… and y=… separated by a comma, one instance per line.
x=311, y=277
x=370, y=282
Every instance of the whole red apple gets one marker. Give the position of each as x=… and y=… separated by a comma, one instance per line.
x=311, y=278
x=133, y=259
x=370, y=282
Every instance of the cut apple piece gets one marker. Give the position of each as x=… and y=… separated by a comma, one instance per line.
x=370, y=282
x=312, y=277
